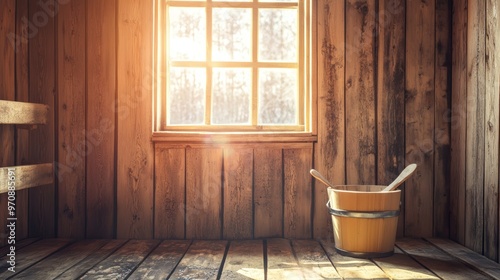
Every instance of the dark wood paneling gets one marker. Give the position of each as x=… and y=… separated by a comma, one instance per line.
x=72, y=145
x=7, y=92
x=419, y=116
x=100, y=136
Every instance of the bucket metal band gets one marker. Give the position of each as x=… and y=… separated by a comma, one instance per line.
x=366, y=215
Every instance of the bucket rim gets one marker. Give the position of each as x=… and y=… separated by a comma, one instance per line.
x=334, y=189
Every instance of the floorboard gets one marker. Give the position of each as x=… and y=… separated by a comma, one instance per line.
x=259, y=259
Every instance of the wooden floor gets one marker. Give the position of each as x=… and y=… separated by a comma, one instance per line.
x=254, y=259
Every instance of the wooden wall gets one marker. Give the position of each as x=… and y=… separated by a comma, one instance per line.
x=475, y=127
x=384, y=100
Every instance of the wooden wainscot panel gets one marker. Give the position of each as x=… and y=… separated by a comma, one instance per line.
x=268, y=192
x=238, y=174
x=203, y=193
x=170, y=187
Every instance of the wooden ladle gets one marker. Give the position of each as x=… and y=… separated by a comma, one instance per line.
x=315, y=173
x=401, y=178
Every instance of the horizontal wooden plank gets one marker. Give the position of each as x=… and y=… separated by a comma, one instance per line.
x=202, y=261
x=244, y=260
x=224, y=138
x=19, y=244
x=30, y=255
x=123, y=261
x=352, y=268
x=14, y=112
x=97, y=256
x=162, y=261
x=402, y=266
x=57, y=263
x=443, y=265
x=478, y=262
x=313, y=260
x=25, y=176
x=281, y=263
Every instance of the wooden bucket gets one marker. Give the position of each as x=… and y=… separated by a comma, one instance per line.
x=365, y=220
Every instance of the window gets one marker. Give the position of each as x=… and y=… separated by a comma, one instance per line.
x=233, y=66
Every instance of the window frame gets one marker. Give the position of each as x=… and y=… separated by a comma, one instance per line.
x=307, y=84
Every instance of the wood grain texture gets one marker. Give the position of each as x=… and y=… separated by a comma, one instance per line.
x=134, y=110
x=30, y=255
x=412, y=270
x=458, y=124
x=360, y=92
x=170, y=187
x=89, y=262
x=492, y=137
x=419, y=119
x=15, y=112
x=313, y=260
x=442, y=121
x=162, y=261
x=474, y=149
x=202, y=261
x=352, y=268
x=204, y=193
x=390, y=95
x=22, y=94
x=7, y=92
x=297, y=193
x=442, y=264
x=27, y=176
x=244, y=260
x=60, y=261
x=237, y=188
x=329, y=151
x=122, y=262
x=72, y=145
x=268, y=192
x=100, y=129
x=42, y=89
x=281, y=262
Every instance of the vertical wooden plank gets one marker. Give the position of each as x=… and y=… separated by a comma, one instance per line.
x=442, y=121
x=474, y=149
x=72, y=145
x=22, y=94
x=297, y=192
x=419, y=118
x=42, y=77
x=458, y=121
x=268, y=192
x=329, y=151
x=7, y=92
x=203, y=193
x=390, y=97
x=100, y=136
x=360, y=92
x=170, y=192
x=134, y=110
x=492, y=137
x=238, y=182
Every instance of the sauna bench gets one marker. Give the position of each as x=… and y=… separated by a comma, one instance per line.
x=253, y=259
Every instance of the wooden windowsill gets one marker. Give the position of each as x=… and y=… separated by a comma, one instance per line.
x=241, y=137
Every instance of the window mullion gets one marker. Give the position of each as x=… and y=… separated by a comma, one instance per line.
x=208, y=98
x=255, y=69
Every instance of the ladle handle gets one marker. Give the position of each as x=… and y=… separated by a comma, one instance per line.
x=315, y=173
x=401, y=178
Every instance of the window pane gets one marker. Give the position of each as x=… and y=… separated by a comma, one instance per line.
x=289, y=1
x=231, y=96
x=278, y=96
x=187, y=38
x=278, y=35
x=186, y=96
x=231, y=34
